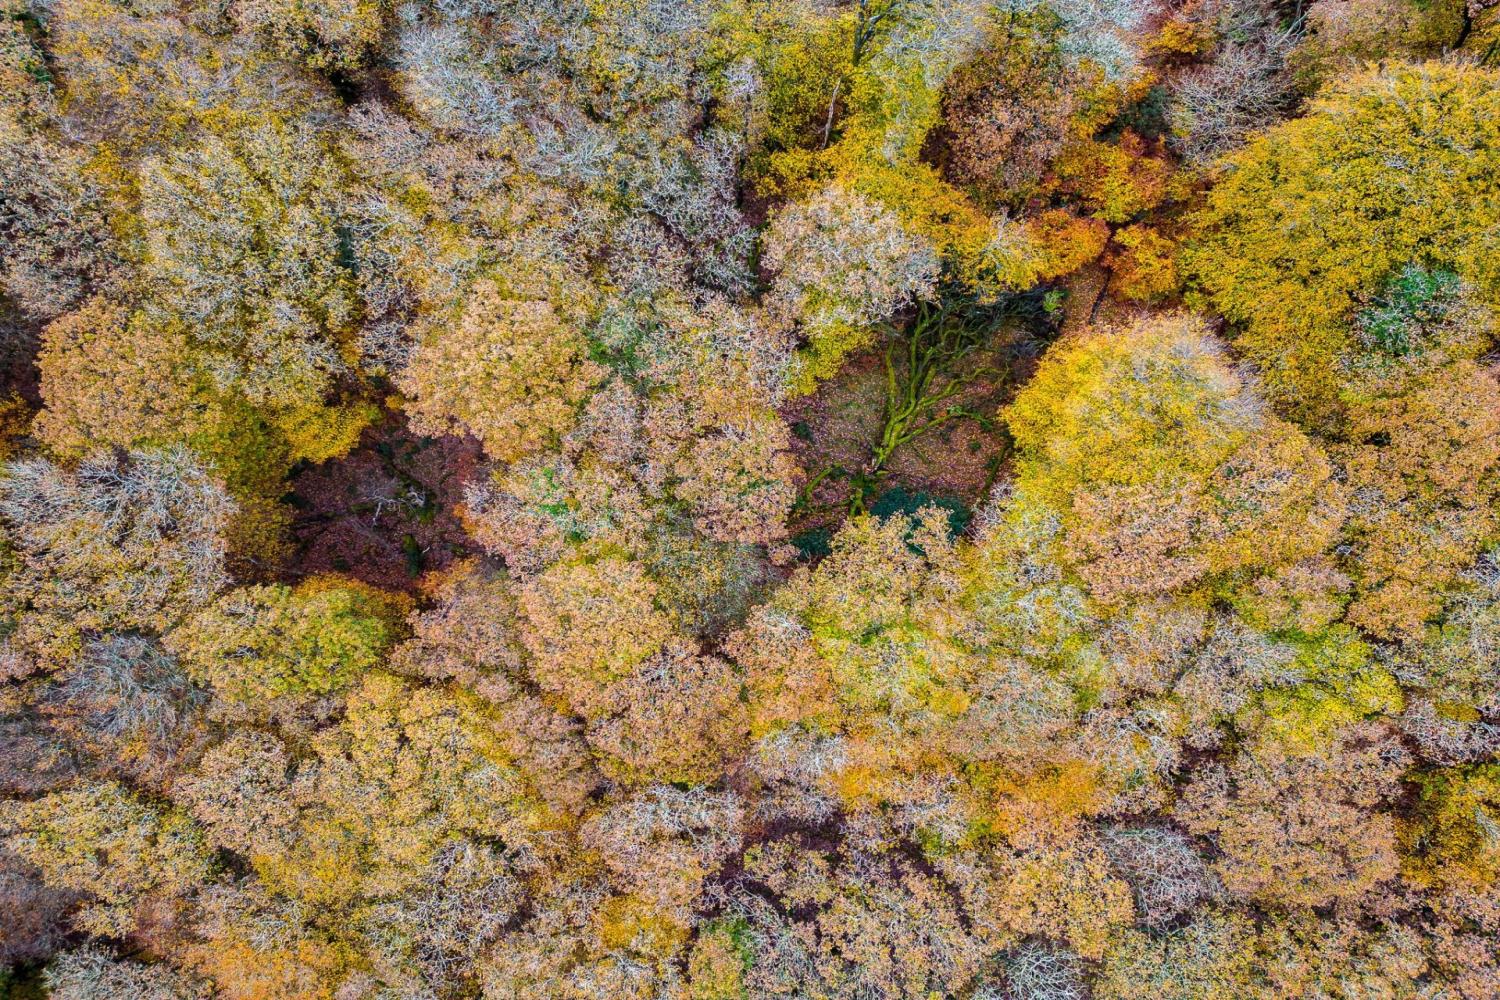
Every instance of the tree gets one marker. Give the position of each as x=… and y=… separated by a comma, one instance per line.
x=1101, y=33
x=91, y=973
x=1065, y=893
x=512, y=371
x=110, y=377
x=1143, y=265
x=1380, y=348
x=716, y=967
x=335, y=35
x=1116, y=182
x=867, y=924
x=53, y=209
x=1018, y=715
x=1457, y=658
x=252, y=944
x=262, y=199
x=444, y=76
x=1208, y=959
x=1243, y=87
x=1345, y=34
x=139, y=81
x=1424, y=467
x=843, y=263
x=1448, y=733
x=1390, y=166
x=53, y=218
x=1304, y=952
x=1035, y=972
x=1006, y=113
x=440, y=931
x=678, y=460
x=694, y=193
x=851, y=634
x=590, y=623
x=128, y=541
x=39, y=924
x=1163, y=464
x=675, y=718
x=127, y=697
x=733, y=467
x=259, y=644
x=1164, y=870
x=1301, y=829
x=405, y=772
x=662, y=843
x=241, y=794
x=472, y=635
x=1454, y=837
x=582, y=941
x=104, y=840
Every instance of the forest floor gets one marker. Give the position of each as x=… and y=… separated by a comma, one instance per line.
x=386, y=512
x=956, y=464
x=20, y=338
x=837, y=427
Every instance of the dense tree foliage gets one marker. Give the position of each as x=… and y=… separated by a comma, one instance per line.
x=418, y=579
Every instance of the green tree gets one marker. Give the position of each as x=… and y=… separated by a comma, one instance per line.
x=259, y=644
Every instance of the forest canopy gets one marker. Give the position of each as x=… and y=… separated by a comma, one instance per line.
x=749, y=500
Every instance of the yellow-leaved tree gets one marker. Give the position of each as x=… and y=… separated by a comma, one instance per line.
x=1162, y=464
x=1356, y=251
x=1390, y=167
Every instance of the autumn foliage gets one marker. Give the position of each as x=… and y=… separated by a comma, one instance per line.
x=745, y=500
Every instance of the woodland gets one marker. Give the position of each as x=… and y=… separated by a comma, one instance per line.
x=749, y=499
